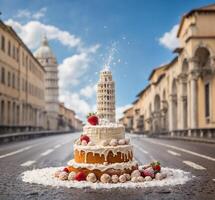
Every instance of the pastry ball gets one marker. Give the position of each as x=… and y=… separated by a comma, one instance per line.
x=122, y=179
x=63, y=176
x=148, y=178
x=115, y=179
x=121, y=142
x=91, y=177
x=113, y=142
x=140, y=179
x=128, y=177
x=105, y=178
x=135, y=173
x=134, y=179
x=104, y=143
x=71, y=176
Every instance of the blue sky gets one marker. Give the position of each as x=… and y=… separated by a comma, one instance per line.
x=82, y=32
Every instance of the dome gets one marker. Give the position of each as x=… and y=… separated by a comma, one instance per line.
x=44, y=51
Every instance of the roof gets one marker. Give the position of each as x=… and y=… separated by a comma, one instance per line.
x=44, y=51
x=142, y=91
x=135, y=101
x=14, y=34
x=208, y=8
x=127, y=110
x=155, y=69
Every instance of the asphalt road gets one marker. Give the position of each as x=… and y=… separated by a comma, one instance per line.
x=197, y=158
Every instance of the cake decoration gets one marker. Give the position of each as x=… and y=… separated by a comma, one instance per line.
x=102, y=153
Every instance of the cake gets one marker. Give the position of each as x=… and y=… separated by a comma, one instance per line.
x=106, y=150
x=102, y=152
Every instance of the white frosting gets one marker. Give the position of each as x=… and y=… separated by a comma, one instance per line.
x=127, y=150
x=101, y=167
x=102, y=132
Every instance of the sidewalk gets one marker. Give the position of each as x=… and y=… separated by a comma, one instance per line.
x=11, y=137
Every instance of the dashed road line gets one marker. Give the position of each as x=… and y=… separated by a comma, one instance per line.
x=184, y=150
x=213, y=179
x=173, y=153
x=47, y=152
x=16, y=152
x=28, y=163
x=141, y=149
x=194, y=165
x=57, y=146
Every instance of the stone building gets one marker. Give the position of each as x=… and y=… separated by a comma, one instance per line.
x=47, y=59
x=67, y=118
x=106, y=96
x=22, y=105
x=180, y=95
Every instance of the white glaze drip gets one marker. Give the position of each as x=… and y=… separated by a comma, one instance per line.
x=101, y=167
x=104, y=150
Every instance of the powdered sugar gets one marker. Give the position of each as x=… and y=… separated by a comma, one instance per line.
x=45, y=177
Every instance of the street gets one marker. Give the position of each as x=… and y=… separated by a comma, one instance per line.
x=197, y=158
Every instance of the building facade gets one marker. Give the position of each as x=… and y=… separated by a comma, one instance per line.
x=106, y=96
x=21, y=85
x=180, y=96
x=48, y=60
x=66, y=118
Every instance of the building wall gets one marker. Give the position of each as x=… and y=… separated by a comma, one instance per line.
x=175, y=98
x=21, y=83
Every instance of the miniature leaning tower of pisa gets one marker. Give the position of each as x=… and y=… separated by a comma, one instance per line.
x=106, y=96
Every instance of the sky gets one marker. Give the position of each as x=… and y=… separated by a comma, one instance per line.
x=138, y=35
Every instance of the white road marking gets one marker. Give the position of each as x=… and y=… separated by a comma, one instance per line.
x=28, y=163
x=141, y=149
x=213, y=179
x=193, y=165
x=16, y=152
x=184, y=150
x=57, y=146
x=47, y=152
x=173, y=153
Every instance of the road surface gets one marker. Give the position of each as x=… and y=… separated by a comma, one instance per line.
x=197, y=158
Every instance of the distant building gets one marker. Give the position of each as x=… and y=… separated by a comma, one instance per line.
x=180, y=95
x=22, y=105
x=47, y=59
x=66, y=119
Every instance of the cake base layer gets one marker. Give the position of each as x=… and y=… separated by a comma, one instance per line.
x=81, y=157
x=99, y=169
x=101, y=154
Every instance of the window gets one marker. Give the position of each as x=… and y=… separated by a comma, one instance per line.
x=8, y=79
x=207, y=100
x=3, y=75
x=2, y=43
x=9, y=48
x=13, y=81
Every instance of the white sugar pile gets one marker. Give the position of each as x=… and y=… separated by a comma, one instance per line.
x=45, y=177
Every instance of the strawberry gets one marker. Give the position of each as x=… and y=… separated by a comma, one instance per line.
x=66, y=170
x=80, y=176
x=85, y=137
x=156, y=166
x=93, y=119
x=148, y=172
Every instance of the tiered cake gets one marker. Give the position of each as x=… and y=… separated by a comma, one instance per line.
x=102, y=153
x=103, y=148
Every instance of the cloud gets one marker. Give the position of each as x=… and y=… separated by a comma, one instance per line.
x=31, y=15
x=39, y=14
x=120, y=110
x=73, y=101
x=169, y=39
x=72, y=69
x=88, y=91
x=32, y=31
